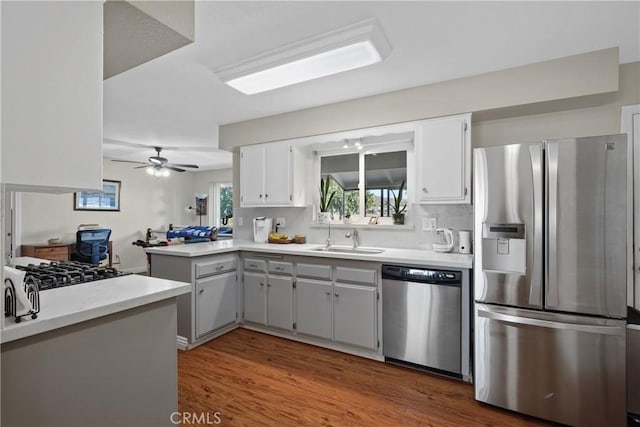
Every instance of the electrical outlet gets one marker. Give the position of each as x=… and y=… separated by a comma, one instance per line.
x=240, y=221
x=281, y=222
x=429, y=224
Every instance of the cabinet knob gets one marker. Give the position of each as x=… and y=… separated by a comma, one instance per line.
x=201, y=290
x=266, y=195
x=261, y=284
x=328, y=293
x=424, y=190
x=268, y=285
x=260, y=196
x=336, y=295
x=220, y=267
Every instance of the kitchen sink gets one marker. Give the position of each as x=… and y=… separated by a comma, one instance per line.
x=348, y=250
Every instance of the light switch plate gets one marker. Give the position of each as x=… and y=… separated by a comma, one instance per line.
x=429, y=224
x=240, y=221
x=281, y=222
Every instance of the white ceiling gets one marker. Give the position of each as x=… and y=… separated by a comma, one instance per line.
x=177, y=101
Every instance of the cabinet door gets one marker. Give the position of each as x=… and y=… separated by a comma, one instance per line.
x=254, y=298
x=215, y=302
x=252, y=175
x=52, y=95
x=354, y=311
x=280, y=302
x=314, y=305
x=443, y=168
x=277, y=174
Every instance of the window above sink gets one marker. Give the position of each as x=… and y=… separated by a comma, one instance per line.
x=366, y=173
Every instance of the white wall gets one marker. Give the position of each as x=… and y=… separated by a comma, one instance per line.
x=573, y=76
x=145, y=202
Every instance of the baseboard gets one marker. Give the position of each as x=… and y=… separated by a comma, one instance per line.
x=369, y=354
x=182, y=343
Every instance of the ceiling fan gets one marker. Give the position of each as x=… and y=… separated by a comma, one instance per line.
x=158, y=165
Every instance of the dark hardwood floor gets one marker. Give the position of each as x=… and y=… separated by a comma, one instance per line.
x=254, y=379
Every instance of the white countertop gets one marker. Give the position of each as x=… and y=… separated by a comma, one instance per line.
x=403, y=256
x=78, y=303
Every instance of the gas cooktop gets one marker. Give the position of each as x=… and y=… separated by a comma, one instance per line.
x=65, y=273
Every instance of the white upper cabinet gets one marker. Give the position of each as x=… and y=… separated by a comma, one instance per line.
x=443, y=161
x=52, y=95
x=272, y=175
x=278, y=173
x=252, y=175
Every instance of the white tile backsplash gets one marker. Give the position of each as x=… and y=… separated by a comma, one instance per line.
x=299, y=220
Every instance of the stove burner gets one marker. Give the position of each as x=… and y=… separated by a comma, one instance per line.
x=65, y=273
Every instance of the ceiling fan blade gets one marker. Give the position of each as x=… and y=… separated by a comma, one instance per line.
x=128, y=161
x=173, y=168
x=157, y=160
x=179, y=165
x=146, y=165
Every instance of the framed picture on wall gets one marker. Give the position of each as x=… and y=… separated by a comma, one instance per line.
x=106, y=200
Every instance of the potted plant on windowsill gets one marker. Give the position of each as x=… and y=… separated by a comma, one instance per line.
x=398, y=207
x=325, y=200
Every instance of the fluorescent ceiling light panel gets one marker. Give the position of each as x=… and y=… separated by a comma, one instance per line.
x=354, y=46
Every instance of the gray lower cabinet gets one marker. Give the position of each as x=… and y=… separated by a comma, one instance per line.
x=255, y=309
x=268, y=300
x=211, y=308
x=334, y=302
x=280, y=302
x=314, y=304
x=354, y=314
x=215, y=302
x=344, y=310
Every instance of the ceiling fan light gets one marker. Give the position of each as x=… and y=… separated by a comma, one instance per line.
x=165, y=172
x=150, y=170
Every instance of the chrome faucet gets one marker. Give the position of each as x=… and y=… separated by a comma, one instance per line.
x=354, y=236
x=329, y=237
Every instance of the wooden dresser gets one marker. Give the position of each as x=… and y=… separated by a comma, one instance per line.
x=55, y=252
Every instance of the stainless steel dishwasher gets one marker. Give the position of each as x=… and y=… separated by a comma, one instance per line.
x=421, y=317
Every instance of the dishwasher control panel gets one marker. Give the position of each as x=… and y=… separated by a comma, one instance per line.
x=422, y=275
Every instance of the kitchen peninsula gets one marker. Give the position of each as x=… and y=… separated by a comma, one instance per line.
x=99, y=353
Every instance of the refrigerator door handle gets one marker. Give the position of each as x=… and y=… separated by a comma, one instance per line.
x=518, y=320
x=535, y=155
x=551, y=259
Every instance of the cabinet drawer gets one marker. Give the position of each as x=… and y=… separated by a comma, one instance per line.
x=281, y=267
x=215, y=267
x=255, y=264
x=54, y=253
x=314, y=271
x=356, y=275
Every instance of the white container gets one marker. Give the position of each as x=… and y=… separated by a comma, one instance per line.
x=465, y=241
x=261, y=228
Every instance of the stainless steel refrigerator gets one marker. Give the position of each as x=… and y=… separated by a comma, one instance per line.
x=550, y=278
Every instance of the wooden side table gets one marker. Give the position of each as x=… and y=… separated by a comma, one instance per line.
x=56, y=252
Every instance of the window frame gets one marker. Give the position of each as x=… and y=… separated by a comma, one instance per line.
x=386, y=147
x=215, y=191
